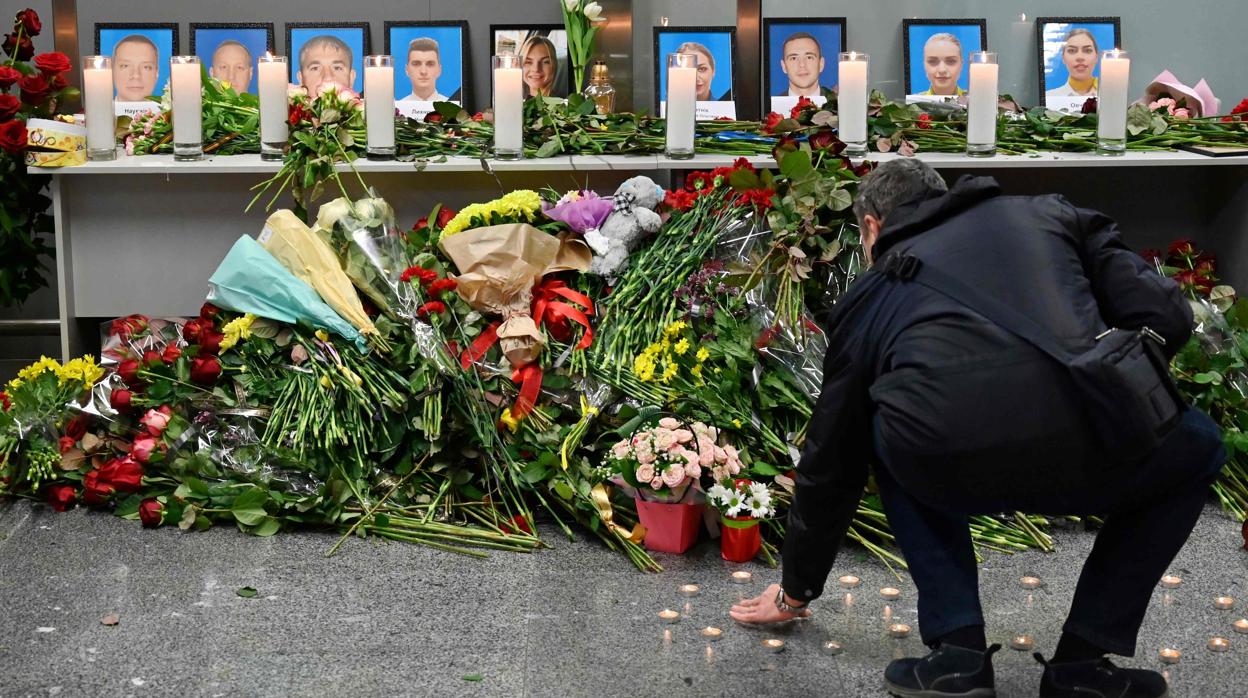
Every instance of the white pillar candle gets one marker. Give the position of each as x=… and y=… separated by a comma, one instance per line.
x=186, y=92
x=1111, y=95
x=274, y=109
x=682, y=103
x=98, y=107
x=981, y=128
x=379, y=104
x=508, y=107
x=851, y=100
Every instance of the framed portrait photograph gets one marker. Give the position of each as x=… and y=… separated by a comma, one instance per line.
x=937, y=52
x=800, y=60
x=140, y=53
x=543, y=51
x=327, y=52
x=430, y=64
x=1070, y=57
x=716, y=49
x=230, y=51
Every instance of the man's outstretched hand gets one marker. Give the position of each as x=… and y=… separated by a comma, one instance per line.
x=762, y=609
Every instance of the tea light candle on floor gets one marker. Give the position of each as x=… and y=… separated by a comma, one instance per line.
x=1169, y=655
x=1223, y=603
x=742, y=577
x=849, y=581
x=772, y=644
x=1241, y=626
x=832, y=647
x=899, y=630
x=712, y=634
x=1219, y=644
x=667, y=615
x=1171, y=581
x=1023, y=643
x=890, y=593
x=690, y=589
x=1029, y=583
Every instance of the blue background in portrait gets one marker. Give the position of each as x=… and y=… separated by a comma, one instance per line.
x=163, y=38
x=720, y=46
x=450, y=48
x=255, y=39
x=968, y=34
x=1055, y=72
x=351, y=36
x=830, y=42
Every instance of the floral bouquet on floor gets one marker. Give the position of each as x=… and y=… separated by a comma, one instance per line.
x=742, y=505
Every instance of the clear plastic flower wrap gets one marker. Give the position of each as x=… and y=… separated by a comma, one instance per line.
x=230, y=441
x=1216, y=336
x=132, y=336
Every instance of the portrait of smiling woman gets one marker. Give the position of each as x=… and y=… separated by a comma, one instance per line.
x=1070, y=54
x=543, y=52
x=937, y=52
x=540, y=65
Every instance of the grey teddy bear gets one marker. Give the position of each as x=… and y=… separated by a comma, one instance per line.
x=632, y=218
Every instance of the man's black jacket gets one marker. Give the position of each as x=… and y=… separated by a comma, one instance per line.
x=1062, y=266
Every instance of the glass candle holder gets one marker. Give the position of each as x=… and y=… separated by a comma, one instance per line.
x=379, y=106
x=274, y=107
x=981, y=109
x=508, y=107
x=186, y=92
x=682, y=102
x=851, y=101
x=99, y=107
x=1111, y=102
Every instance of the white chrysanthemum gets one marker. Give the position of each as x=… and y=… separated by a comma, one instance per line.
x=719, y=494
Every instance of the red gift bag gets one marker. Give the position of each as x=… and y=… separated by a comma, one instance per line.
x=670, y=528
x=741, y=540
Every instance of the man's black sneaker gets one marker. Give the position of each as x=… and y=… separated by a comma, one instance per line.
x=1099, y=678
x=948, y=672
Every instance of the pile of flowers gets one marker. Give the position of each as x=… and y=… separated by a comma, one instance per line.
x=520, y=206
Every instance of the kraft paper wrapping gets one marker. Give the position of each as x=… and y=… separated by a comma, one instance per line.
x=499, y=265
x=312, y=260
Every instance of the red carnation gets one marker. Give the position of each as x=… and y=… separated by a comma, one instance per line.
x=62, y=496
x=129, y=371
x=35, y=89
x=19, y=50
x=208, y=311
x=437, y=288
x=95, y=487
x=773, y=121
x=4, y=402
x=426, y=276
x=65, y=444
x=151, y=513
x=13, y=137
x=431, y=307
x=210, y=343
x=8, y=76
x=120, y=399
x=171, y=353
x=925, y=121
x=1240, y=111
x=28, y=21
x=8, y=106
x=52, y=63
x=205, y=370
x=679, y=200
x=445, y=215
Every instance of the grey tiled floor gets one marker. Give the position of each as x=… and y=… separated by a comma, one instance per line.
x=575, y=620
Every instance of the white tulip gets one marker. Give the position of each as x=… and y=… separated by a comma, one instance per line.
x=593, y=12
x=571, y=4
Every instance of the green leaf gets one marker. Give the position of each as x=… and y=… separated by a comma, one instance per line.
x=796, y=165
x=473, y=677
x=248, y=507
x=266, y=528
x=1208, y=377
x=246, y=592
x=550, y=148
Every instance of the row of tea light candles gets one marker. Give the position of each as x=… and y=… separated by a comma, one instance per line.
x=1170, y=655
x=681, y=105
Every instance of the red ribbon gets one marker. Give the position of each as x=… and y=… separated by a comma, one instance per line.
x=529, y=377
x=479, y=346
x=548, y=308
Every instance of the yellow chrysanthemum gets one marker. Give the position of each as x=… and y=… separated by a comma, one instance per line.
x=523, y=204
x=82, y=369
x=235, y=330
x=682, y=347
x=696, y=371
x=509, y=421
x=736, y=423
x=644, y=365
x=669, y=372
x=675, y=328
x=702, y=355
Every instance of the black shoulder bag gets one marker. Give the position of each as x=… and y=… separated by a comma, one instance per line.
x=1124, y=380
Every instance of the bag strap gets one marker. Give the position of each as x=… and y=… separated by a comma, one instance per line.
x=907, y=267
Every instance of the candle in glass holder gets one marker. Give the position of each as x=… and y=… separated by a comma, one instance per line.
x=712, y=634
x=508, y=107
x=849, y=581
x=667, y=615
x=379, y=106
x=99, y=107
x=681, y=104
x=1171, y=581
x=1111, y=103
x=1169, y=655
x=1029, y=583
x=832, y=647
x=890, y=593
x=1023, y=643
x=981, y=106
x=1241, y=626
x=772, y=644
x=899, y=630
x=742, y=577
x=274, y=108
x=690, y=589
x=1223, y=603
x=851, y=102
x=186, y=91
x=1219, y=644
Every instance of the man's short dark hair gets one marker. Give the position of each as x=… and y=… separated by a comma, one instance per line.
x=423, y=43
x=324, y=40
x=797, y=36
x=894, y=183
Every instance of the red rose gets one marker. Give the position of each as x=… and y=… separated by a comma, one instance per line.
x=13, y=137
x=77, y=427
x=431, y=307
x=66, y=443
x=296, y=114
x=773, y=120
x=445, y=215
x=194, y=329
x=205, y=370
x=210, y=343
x=151, y=358
x=129, y=371
x=8, y=106
x=127, y=476
x=125, y=327
x=19, y=50
x=4, y=402
x=8, y=76
x=59, y=82
x=28, y=21
x=96, y=488
x=421, y=224
x=120, y=399
x=1089, y=106
x=171, y=353
x=62, y=496
x=35, y=89
x=209, y=311
x=151, y=513
x=925, y=121
x=1153, y=257
x=1181, y=248
x=433, y=118
x=156, y=421
x=802, y=103
x=441, y=286
x=824, y=139
x=479, y=116
x=143, y=447
x=52, y=63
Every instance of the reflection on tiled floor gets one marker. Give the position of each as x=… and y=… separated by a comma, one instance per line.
x=574, y=620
